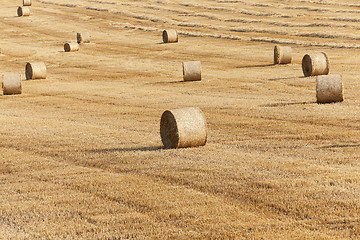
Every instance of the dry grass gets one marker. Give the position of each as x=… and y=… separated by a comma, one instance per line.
x=81, y=155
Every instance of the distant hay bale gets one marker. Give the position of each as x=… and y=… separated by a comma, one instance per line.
x=35, y=70
x=23, y=11
x=170, y=36
x=329, y=88
x=192, y=71
x=180, y=128
x=26, y=2
x=11, y=83
x=71, y=46
x=315, y=64
x=282, y=55
x=83, y=37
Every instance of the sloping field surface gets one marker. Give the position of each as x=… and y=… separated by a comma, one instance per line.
x=81, y=155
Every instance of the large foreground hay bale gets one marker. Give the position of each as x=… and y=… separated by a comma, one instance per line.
x=83, y=37
x=26, y=2
x=23, y=11
x=170, y=36
x=184, y=127
x=71, y=47
x=329, y=88
x=11, y=83
x=315, y=64
x=282, y=55
x=192, y=71
x=35, y=70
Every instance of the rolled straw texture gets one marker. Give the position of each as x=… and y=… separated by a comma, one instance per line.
x=180, y=128
x=11, y=83
x=23, y=11
x=71, y=47
x=35, y=70
x=282, y=55
x=315, y=64
x=83, y=37
x=192, y=71
x=329, y=88
x=170, y=36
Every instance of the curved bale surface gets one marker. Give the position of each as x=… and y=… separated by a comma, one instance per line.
x=329, y=88
x=170, y=36
x=71, y=47
x=11, y=83
x=35, y=70
x=192, y=71
x=26, y=2
x=83, y=37
x=315, y=64
x=282, y=55
x=23, y=11
x=180, y=128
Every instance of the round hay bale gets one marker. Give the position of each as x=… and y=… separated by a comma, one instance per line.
x=23, y=11
x=192, y=71
x=11, y=83
x=26, y=2
x=329, y=88
x=71, y=47
x=282, y=55
x=83, y=37
x=315, y=64
x=180, y=128
x=35, y=70
x=170, y=36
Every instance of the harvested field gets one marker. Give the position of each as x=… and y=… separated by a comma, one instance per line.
x=81, y=154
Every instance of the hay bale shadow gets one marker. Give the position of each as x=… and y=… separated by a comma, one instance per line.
x=131, y=149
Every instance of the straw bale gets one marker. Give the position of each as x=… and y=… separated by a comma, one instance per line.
x=71, y=46
x=282, y=55
x=170, y=36
x=329, y=88
x=83, y=37
x=315, y=64
x=11, y=83
x=192, y=71
x=23, y=11
x=35, y=70
x=180, y=128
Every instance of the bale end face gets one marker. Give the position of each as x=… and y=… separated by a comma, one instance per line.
x=168, y=130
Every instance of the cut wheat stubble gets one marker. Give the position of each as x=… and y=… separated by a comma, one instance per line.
x=315, y=64
x=35, y=70
x=181, y=128
x=329, y=89
x=11, y=83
